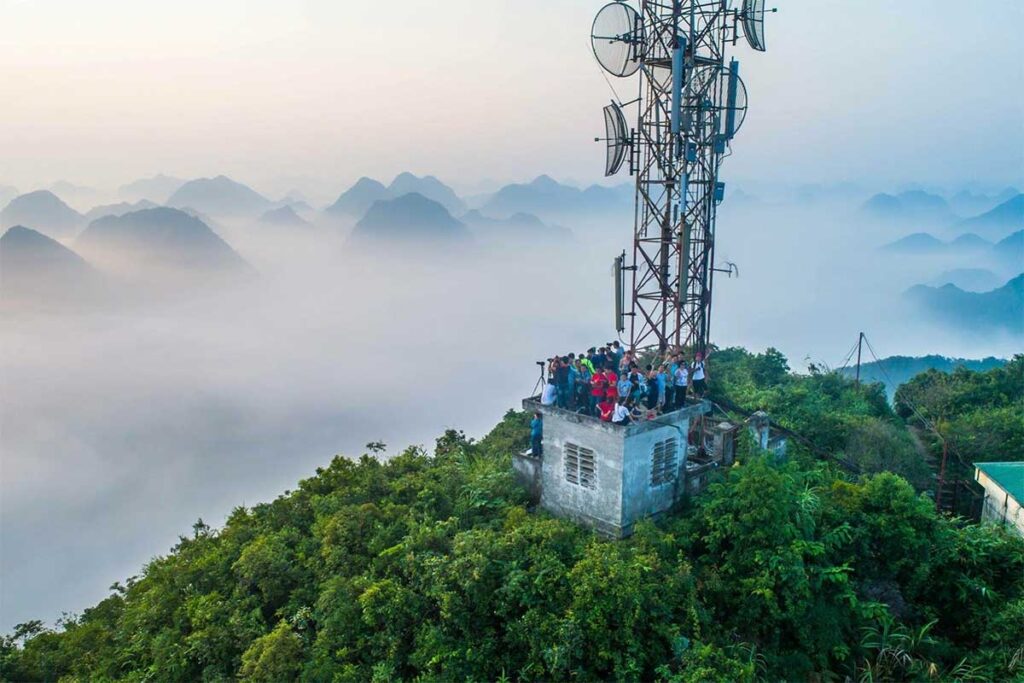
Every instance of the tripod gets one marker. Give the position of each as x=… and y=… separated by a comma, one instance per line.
x=538, y=388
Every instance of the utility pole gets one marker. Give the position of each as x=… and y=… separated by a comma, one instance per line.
x=860, y=341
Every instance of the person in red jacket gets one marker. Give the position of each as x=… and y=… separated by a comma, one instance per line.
x=612, y=391
x=606, y=409
x=598, y=389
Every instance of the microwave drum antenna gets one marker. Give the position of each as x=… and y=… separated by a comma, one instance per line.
x=616, y=139
x=753, y=23
x=617, y=38
x=735, y=99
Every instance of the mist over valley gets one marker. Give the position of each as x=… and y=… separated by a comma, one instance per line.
x=162, y=364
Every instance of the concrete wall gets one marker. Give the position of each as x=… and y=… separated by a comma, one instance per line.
x=697, y=477
x=640, y=499
x=528, y=471
x=999, y=506
x=622, y=493
x=600, y=507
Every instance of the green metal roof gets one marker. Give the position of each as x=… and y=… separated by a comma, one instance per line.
x=1009, y=476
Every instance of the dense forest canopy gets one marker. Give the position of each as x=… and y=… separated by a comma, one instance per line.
x=980, y=415
x=430, y=566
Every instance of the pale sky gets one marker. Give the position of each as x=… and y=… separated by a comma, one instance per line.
x=101, y=92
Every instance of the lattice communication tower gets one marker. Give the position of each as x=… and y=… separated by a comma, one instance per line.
x=690, y=105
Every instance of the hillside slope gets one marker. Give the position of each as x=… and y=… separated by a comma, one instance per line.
x=895, y=370
x=220, y=196
x=43, y=211
x=158, y=240
x=37, y=270
x=432, y=567
x=999, y=309
x=411, y=220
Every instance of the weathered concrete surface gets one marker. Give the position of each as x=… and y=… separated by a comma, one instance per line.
x=528, y=472
x=622, y=491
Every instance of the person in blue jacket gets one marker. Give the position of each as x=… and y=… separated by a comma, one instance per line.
x=537, y=434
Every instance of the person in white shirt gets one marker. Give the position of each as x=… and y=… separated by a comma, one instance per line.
x=699, y=376
x=682, y=378
x=621, y=414
x=550, y=395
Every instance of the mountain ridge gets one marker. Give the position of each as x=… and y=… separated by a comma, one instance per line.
x=43, y=211
x=219, y=196
x=162, y=237
x=410, y=220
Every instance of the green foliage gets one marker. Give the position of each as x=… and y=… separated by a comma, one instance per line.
x=823, y=407
x=900, y=369
x=431, y=567
x=876, y=446
x=274, y=657
x=980, y=414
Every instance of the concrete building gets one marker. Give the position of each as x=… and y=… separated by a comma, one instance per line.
x=610, y=476
x=760, y=426
x=1004, y=491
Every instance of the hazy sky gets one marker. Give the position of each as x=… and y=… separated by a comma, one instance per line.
x=269, y=92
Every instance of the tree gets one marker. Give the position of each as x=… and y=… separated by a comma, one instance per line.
x=432, y=566
x=275, y=657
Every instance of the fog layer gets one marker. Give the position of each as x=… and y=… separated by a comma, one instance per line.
x=120, y=428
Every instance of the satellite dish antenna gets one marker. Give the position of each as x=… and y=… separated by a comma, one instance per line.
x=617, y=37
x=753, y=23
x=616, y=138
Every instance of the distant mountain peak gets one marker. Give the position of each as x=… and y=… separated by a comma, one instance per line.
x=284, y=216
x=918, y=241
x=977, y=312
x=414, y=200
x=36, y=269
x=548, y=199
x=545, y=181
x=157, y=188
x=1009, y=215
x=359, y=198
x=428, y=186
x=118, y=209
x=40, y=196
x=41, y=210
x=366, y=181
x=913, y=206
x=164, y=237
x=21, y=237
x=410, y=219
x=970, y=239
x=220, y=196
x=519, y=227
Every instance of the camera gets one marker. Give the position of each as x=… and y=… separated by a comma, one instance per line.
x=540, y=362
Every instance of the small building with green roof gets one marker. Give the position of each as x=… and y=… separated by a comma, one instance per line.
x=1004, y=491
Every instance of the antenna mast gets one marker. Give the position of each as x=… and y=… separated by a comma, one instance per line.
x=691, y=103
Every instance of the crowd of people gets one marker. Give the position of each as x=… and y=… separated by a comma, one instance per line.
x=610, y=384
